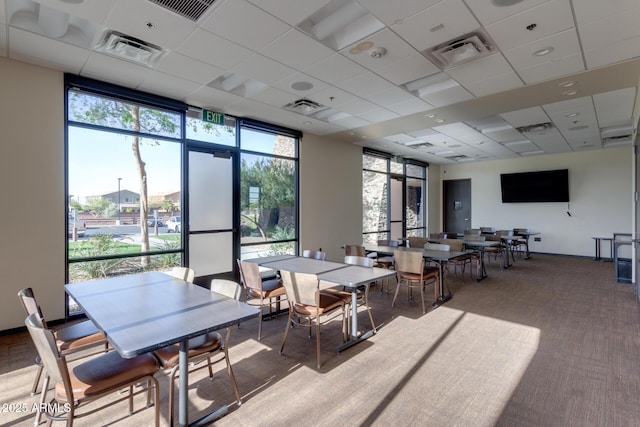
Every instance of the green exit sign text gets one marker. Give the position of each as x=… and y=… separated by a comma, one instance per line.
x=213, y=117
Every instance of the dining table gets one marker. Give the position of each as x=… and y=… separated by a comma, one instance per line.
x=437, y=256
x=143, y=312
x=347, y=275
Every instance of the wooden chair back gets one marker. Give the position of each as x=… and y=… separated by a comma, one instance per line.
x=228, y=288
x=309, y=253
x=454, y=244
x=30, y=305
x=359, y=260
x=250, y=275
x=408, y=262
x=301, y=288
x=357, y=250
x=183, y=273
x=472, y=231
x=437, y=247
x=475, y=238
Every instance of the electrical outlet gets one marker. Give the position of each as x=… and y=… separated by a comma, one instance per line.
x=537, y=239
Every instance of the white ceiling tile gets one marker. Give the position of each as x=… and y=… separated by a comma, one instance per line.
x=213, y=50
x=552, y=69
x=589, y=11
x=190, y=69
x=290, y=11
x=494, y=84
x=379, y=115
x=286, y=84
x=212, y=98
x=245, y=24
x=274, y=97
x=118, y=71
x=391, y=96
x=617, y=52
x=365, y=84
x=614, y=107
x=526, y=116
x=262, y=69
x=358, y=107
x=407, y=69
x=488, y=13
x=297, y=50
x=619, y=27
x=448, y=96
x=572, y=104
x=389, y=11
x=167, y=85
x=94, y=11
x=169, y=30
x=3, y=16
x=351, y=122
x=46, y=52
x=334, y=68
x=549, y=18
x=564, y=44
x=412, y=106
x=396, y=49
x=333, y=97
x=453, y=15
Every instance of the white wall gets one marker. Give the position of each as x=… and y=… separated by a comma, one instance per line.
x=32, y=176
x=330, y=195
x=600, y=194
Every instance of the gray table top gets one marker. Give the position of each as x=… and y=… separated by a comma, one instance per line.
x=269, y=258
x=303, y=265
x=427, y=253
x=140, y=313
x=353, y=276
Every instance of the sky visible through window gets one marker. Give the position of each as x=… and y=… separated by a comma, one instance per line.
x=97, y=159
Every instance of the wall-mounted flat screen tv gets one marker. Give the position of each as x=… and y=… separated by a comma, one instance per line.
x=532, y=187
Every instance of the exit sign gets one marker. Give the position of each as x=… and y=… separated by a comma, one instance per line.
x=213, y=117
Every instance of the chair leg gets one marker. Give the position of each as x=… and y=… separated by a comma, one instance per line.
x=318, y=340
x=395, y=296
x=286, y=329
x=229, y=369
x=424, y=310
x=260, y=319
x=43, y=396
x=366, y=302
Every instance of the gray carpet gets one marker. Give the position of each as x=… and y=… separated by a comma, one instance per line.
x=553, y=341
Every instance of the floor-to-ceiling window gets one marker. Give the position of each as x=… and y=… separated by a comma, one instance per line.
x=128, y=158
x=393, y=197
x=268, y=194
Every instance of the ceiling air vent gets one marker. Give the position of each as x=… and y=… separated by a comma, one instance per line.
x=304, y=106
x=540, y=127
x=421, y=145
x=461, y=50
x=190, y=9
x=130, y=48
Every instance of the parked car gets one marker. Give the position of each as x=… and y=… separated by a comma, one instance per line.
x=152, y=221
x=174, y=224
x=80, y=226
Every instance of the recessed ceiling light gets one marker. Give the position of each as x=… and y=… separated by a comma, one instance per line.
x=440, y=121
x=568, y=83
x=363, y=136
x=572, y=114
x=360, y=47
x=351, y=133
x=502, y=3
x=301, y=85
x=569, y=92
x=578, y=127
x=306, y=123
x=543, y=52
x=429, y=116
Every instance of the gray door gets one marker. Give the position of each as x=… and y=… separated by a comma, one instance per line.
x=457, y=205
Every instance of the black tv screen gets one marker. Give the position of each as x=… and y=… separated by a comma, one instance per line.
x=531, y=187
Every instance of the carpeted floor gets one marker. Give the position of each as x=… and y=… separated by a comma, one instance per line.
x=553, y=341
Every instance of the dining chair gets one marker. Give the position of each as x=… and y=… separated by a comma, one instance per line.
x=307, y=301
x=487, y=230
x=309, y=253
x=88, y=381
x=520, y=244
x=363, y=262
x=202, y=349
x=386, y=261
x=411, y=271
x=184, y=273
x=457, y=245
x=357, y=250
x=499, y=250
x=69, y=339
x=267, y=291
